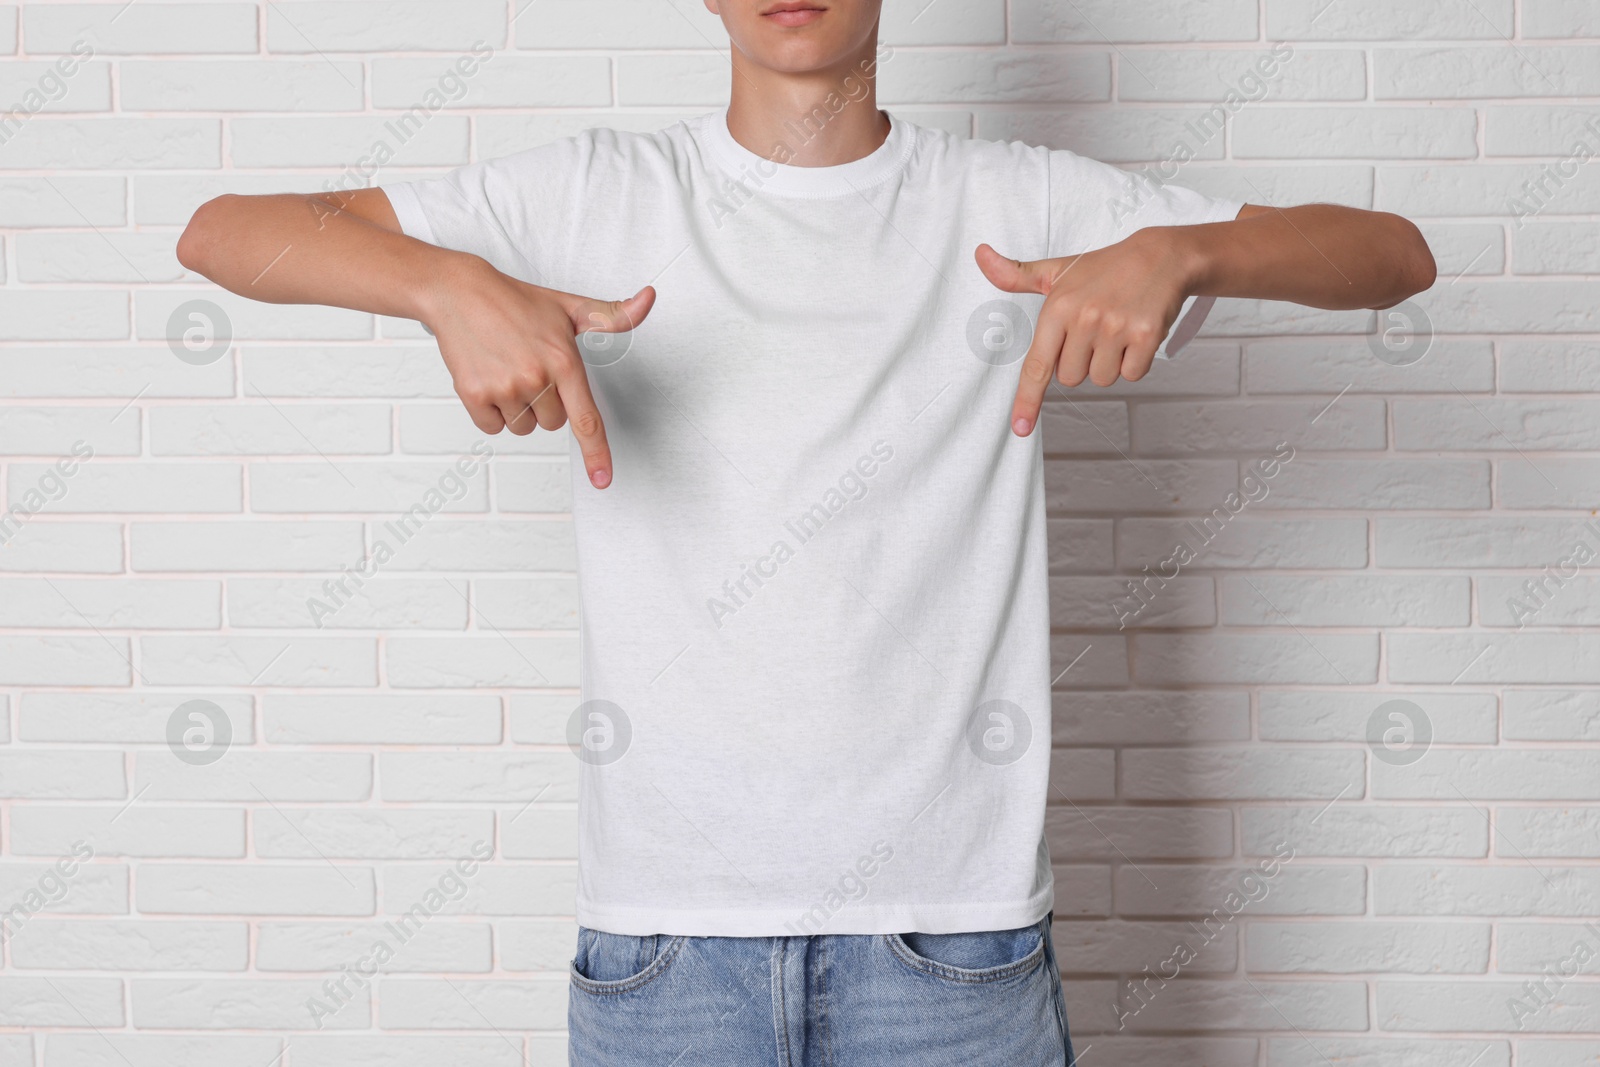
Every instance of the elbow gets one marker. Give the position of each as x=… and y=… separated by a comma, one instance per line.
x=199, y=238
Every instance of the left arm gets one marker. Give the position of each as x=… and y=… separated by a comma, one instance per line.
x=1106, y=312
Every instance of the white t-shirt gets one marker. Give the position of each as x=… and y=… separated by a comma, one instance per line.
x=814, y=628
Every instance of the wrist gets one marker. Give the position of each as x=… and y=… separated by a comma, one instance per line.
x=440, y=281
x=1187, y=255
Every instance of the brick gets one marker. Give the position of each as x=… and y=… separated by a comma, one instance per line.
x=1240, y=773
x=60, y=1000
x=540, y=944
x=501, y=889
x=71, y=547
x=1551, y=715
x=1487, y=71
x=95, y=889
x=207, y=27
x=1367, y=946
x=1308, y=715
x=1527, y=948
x=1466, y=248
x=1331, y=183
x=541, y=833
x=1110, y=135
x=1356, y=133
x=384, y=25
x=1492, y=189
x=1462, y=889
x=60, y=315
x=273, y=85
x=388, y=488
x=1079, y=545
x=1085, y=428
x=1343, y=830
x=1094, y=602
x=131, y=946
x=491, y=1005
x=1560, y=18
x=407, y=1050
x=1568, y=247
x=538, y=485
x=1562, y=1052
x=58, y=660
x=309, y=833
x=170, y=199
x=1327, y=367
x=1150, y=717
x=1564, y=832
x=78, y=143
x=434, y=662
x=246, y=545
x=290, y=718
x=1206, y=76
x=1247, y=542
x=83, y=604
x=108, y=372
x=450, y=777
x=1255, y=659
x=138, y=830
x=255, y=889
x=1482, y=1007
x=1146, y=485
x=1507, y=601
x=1389, y=600
x=1391, y=484
x=1039, y=21
x=341, y=142
x=503, y=81
x=1139, y=833
x=1499, y=657
x=528, y=603
x=330, y=946
x=255, y=776
x=1476, y=542
x=368, y=372
x=1550, y=366
x=1559, y=131
x=1113, y=947
x=1255, y=425
x=1222, y=1004
x=619, y=24
x=65, y=86
x=539, y=545
x=160, y=1050
x=1382, y=1051
x=242, y=1004
x=1367, y=20
x=238, y=660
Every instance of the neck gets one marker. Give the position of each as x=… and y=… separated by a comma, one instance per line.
x=820, y=118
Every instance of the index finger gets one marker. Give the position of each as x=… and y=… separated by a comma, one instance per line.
x=1037, y=368
x=583, y=416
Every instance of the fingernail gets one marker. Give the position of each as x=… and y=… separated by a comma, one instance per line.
x=1022, y=426
x=600, y=477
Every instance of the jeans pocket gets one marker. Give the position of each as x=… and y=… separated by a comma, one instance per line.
x=985, y=956
x=617, y=963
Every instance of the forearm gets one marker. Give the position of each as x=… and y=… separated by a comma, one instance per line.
x=1319, y=255
x=296, y=249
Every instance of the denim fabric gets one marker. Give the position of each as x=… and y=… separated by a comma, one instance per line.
x=831, y=1000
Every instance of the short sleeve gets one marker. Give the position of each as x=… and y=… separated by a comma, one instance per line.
x=514, y=211
x=1094, y=204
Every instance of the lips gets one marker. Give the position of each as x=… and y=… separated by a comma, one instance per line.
x=793, y=13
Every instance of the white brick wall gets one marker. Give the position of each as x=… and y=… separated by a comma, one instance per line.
x=1232, y=717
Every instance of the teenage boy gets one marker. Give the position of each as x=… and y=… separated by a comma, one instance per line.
x=811, y=535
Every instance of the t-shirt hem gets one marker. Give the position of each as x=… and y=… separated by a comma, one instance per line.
x=794, y=922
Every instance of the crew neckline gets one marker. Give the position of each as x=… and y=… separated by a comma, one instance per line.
x=761, y=174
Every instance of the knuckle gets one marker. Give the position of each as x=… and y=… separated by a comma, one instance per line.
x=586, y=423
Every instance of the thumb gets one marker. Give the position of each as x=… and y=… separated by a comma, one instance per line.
x=1021, y=277
x=611, y=316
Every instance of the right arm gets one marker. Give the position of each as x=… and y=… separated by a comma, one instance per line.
x=511, y=348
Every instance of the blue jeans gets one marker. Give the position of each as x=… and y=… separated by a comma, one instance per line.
x=830, y=1000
